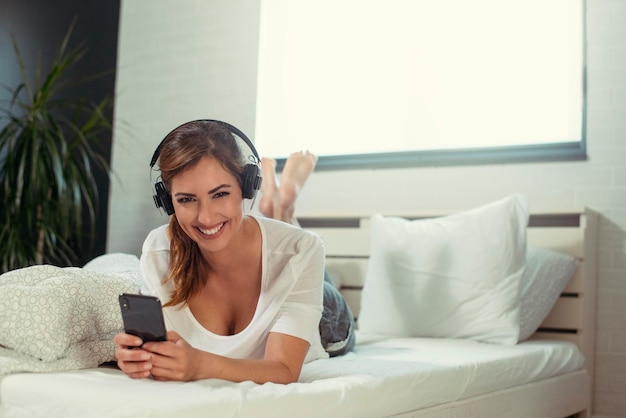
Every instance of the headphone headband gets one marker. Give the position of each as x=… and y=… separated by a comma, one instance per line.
x=231, y=128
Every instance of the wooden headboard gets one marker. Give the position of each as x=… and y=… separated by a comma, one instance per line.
x=573, y=317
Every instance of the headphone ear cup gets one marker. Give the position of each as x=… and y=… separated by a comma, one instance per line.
x=251, y=181
x=162, y=198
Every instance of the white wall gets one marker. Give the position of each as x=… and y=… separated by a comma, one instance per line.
x=197, y=59
x=177, y=61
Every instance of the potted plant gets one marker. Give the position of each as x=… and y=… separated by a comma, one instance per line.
x=48, y=160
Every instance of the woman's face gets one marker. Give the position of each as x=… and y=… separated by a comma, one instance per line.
x=208, y=204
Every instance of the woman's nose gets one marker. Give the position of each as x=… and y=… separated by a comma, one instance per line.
x=205, y=212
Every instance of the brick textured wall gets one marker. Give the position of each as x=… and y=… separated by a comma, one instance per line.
x=607, y=123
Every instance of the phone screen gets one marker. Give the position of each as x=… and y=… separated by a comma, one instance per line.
x=143, y=317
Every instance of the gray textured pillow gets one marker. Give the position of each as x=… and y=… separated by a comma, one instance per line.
x=546, y=275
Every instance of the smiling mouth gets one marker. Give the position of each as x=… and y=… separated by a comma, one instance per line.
x=212, y=231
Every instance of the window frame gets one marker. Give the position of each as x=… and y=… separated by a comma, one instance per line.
x=559, y=152
x=510, y=154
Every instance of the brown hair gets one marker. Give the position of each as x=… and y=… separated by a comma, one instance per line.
x=181, y=150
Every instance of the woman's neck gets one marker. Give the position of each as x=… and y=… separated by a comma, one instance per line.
x=244, y=246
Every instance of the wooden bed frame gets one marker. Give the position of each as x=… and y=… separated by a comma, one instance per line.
x=346, y=239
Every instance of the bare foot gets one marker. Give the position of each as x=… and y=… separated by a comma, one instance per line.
x=269, y=187
x=297, y=169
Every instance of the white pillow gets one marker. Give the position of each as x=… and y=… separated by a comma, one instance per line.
x=546, y=275
x=455, y=277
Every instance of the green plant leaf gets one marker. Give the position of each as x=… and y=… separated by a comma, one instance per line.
x=49, y=192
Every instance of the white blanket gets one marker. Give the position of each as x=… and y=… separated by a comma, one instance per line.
x=54, y=319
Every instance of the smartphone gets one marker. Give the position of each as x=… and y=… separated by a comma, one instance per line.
x=143, y=317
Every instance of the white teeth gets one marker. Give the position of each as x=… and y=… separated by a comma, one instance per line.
x=211, y=231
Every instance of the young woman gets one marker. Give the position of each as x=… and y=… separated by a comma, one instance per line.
x=244, y=296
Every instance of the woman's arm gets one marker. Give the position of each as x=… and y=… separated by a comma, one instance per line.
x=177, y=360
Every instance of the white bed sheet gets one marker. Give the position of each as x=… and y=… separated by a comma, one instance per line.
x=380, y=378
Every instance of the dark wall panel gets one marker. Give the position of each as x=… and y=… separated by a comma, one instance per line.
x=39, y=26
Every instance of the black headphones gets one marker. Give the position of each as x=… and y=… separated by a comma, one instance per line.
x=251, y=176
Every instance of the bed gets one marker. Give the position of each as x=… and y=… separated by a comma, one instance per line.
x=549, y=374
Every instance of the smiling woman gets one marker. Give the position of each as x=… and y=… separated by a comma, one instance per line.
x=245, y=297
x=413, y=82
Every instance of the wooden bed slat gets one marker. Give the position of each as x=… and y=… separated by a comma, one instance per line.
x=559, y=336
x=575, y=284
x=566, y=314
x=565, y=240
x=354, y=242
x=350, y=272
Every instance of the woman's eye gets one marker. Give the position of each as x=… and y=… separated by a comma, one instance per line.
x=184, y=199
x=220, y=194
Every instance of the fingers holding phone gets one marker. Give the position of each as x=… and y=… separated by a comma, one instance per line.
x=131, y=358
x=143, y=322
x=175, y=360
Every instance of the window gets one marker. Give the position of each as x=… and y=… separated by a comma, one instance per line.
x=379, y=83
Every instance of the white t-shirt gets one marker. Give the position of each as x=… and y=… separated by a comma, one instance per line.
x=290, y=301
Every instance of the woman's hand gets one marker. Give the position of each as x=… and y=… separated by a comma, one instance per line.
x=133, y=360
x=173, y=359
x=176, y=360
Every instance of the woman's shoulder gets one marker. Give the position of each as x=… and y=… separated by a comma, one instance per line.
x=284, y=234
x=279, y=227
x=157, y=240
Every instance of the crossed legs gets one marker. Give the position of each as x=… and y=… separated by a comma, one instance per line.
x=278, y=200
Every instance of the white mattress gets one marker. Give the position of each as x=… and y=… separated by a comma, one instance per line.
x=380, y=378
